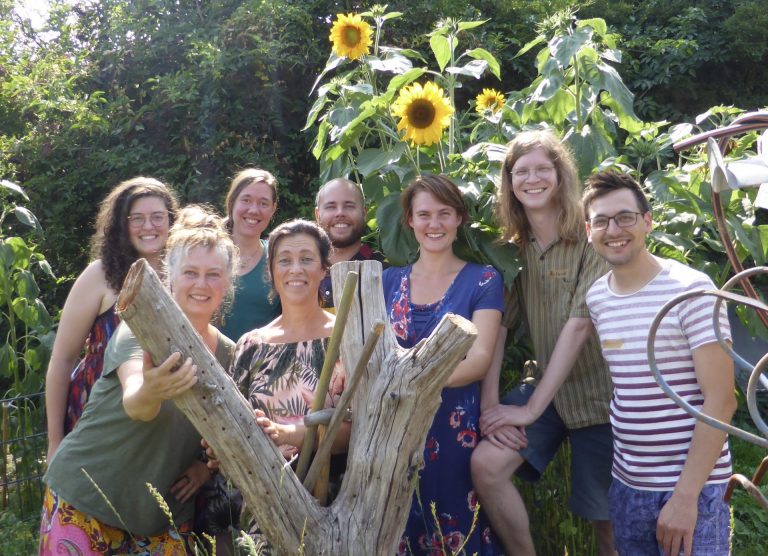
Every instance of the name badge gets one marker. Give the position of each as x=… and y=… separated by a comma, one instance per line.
x=558, y=273
x=615, y=343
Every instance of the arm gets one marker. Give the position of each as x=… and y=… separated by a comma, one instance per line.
x=83, y=305
x=714, y=372
x=572, y=338
x=475, y=365
x=489, y=389
x=145, y=387
x=293, y=433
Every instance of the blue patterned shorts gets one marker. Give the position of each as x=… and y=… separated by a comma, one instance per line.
x=634, y=514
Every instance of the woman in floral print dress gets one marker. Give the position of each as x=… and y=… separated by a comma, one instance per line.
x=417, y=298
x=277, y=367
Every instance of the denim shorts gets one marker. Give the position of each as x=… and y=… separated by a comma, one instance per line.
x=591, y=456
x=634, y=514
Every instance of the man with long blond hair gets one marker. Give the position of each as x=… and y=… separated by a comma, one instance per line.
x=541, y=213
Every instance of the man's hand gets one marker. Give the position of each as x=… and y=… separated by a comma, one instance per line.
x=502, y=415
x=677, y=520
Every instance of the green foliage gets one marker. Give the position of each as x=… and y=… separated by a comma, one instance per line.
x=25, y=325
x=19, y=537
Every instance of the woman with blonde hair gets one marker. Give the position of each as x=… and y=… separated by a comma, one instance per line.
x=131, y=434
x=132, y=223
x=250, y=203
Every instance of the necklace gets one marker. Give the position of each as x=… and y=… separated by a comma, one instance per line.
x=249, y=259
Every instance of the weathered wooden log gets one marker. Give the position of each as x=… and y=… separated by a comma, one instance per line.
x=393, y=409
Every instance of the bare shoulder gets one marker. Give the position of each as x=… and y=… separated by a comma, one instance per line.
x=92, y=284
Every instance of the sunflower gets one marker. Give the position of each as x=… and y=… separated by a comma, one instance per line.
x=489, y=99
x=351, y=36
x=424, y=112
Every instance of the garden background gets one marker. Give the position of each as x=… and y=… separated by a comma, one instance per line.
x=191, y=91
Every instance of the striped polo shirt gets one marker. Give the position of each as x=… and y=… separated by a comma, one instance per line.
x=651, y=434
x=550, y=289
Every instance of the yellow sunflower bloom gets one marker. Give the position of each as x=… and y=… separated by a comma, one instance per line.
x=424, y=113
x=489, y=99
x=351, y=36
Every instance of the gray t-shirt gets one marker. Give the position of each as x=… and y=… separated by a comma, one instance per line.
x=123, y=455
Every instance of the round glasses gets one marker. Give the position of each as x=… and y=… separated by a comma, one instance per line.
x=156, y=219
x=625, y=219
x=541, y=172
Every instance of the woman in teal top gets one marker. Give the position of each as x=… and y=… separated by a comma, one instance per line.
x=251, y=202
x=131, y=433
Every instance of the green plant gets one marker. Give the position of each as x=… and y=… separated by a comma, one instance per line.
x=26, y=327
x=19, y=537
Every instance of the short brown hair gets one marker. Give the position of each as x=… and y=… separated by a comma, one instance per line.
x=441, y=188
x=602, y=183
x=243, y=179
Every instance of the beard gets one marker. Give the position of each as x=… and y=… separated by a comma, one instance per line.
x=355, y=233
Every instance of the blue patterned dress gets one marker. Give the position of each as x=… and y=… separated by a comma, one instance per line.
x=446, y=479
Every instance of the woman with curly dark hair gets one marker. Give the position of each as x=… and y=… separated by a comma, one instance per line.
x=132, y=223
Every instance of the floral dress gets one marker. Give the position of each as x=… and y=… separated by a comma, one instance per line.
x=446, y=479
x=89, y=368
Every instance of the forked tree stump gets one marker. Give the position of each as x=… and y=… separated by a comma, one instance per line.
x=392, y=411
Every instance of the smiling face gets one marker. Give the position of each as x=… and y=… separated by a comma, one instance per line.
x=149, y=238
x=200, y=282
x=252, y=210
x=297, y=269
x=619, y=246
x=434, y=223
x=340, y=212
x=534, y=180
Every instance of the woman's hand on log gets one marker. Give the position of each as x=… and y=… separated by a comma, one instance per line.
x=165, y=383
x=279, y=433
x=190, y=482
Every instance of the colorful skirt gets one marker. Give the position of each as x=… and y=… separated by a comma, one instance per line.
x=66, y=530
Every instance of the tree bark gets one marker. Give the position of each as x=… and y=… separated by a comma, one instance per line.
x=392, y=412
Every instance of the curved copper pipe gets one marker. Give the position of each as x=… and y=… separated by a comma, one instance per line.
x=744, y=123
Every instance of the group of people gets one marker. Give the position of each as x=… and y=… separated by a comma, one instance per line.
x=649, y=476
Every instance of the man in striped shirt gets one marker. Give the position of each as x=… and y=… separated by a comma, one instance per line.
x=669, y=470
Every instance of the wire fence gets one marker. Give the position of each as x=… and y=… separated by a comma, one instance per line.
x=23, y=445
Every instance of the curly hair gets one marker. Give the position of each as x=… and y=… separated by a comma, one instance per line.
x=111, y=243
x=510, y=212
x=243, y=179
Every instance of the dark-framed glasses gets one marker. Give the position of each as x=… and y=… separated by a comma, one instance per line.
x=541, y=172
x=625, y=219
x=157, y=218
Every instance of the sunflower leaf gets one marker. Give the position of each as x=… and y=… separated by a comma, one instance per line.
x=397, y=241
x=535, y=42
x=475, y=69
x=371, y=160
x=395, y=63
x=464, y=25
x=391, y=15
x=333, y=62
x=483, y=54
x=442, y=49
x=25, y=216
x=14, y=187
x=402, y=80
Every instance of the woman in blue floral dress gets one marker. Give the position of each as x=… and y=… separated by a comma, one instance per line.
x=417, y=298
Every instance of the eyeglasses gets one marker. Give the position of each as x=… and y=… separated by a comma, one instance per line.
x=541, y=172
x=623, y=220
x=156, y=218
